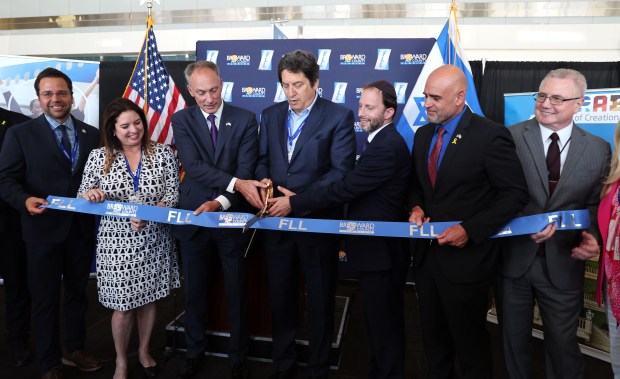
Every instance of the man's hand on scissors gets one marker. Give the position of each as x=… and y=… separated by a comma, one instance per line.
x=249, y=190
x=267, y=183
x=280, y=206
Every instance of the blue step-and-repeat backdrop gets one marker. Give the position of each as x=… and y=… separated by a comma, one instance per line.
x=249, y=69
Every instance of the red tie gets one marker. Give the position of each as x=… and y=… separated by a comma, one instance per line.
x=434, y=159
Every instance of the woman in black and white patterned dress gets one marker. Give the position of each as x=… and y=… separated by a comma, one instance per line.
x=136, y=259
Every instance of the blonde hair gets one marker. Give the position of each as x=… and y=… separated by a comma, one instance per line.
x=614, y=171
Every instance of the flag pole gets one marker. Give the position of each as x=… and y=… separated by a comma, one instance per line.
x=149, y=5
x=149, y=25
x=453, y=11
x=150, y=77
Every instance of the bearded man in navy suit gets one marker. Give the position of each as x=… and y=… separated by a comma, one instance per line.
x=41, y=157
x=217, y=144
x=305, y=143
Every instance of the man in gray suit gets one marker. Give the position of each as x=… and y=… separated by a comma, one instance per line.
x=564, y=166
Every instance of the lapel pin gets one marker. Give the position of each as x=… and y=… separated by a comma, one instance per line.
x=228, y=124
x=458, y=137
x=83, y=131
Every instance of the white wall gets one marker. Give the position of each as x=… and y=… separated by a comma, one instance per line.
x=493, y=38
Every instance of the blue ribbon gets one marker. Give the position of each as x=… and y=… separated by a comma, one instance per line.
x=566, y=220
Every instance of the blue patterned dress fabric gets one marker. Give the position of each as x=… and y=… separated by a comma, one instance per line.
x=134, y=268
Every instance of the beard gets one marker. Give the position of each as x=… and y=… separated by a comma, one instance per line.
x=373, y=124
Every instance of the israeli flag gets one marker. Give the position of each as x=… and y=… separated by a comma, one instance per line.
x=277, y=32
x=446, y=50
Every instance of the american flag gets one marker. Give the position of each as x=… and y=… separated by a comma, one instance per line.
x=152, y=88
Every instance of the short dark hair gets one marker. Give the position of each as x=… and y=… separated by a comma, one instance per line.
x=52, y=73
x=299, y=61
x=388, y=93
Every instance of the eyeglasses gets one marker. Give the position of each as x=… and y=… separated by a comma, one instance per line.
x=50, y=94
x=554, y=100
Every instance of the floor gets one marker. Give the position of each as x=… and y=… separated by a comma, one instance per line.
x=354, y=353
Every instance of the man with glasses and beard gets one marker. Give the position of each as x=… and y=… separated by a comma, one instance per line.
x=41, y=157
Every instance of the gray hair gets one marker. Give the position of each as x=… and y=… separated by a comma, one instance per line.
x=189, y=70
x=579, y=81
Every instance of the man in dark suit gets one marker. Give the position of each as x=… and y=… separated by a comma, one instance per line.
x=13, y=265
x=465, y=169
x=217, y=144
x=376, y=190
x=547, y=266
x=305, y=143
x=41, y=157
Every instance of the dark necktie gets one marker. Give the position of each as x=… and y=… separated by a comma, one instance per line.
x=365, y=146
x=211, y=119
x=553, y=162
x=434, y=158
x=64, y=139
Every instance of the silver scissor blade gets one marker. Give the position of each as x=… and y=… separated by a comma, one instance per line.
x=251, y=221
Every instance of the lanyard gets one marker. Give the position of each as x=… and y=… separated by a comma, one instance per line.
x=289, y=127
x=74, y=151
x=134, y=177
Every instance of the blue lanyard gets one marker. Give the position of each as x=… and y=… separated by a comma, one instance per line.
x=293, y=136
x=74, y=151
x=135, y=178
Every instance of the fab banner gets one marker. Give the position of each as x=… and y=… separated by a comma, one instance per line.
x=17, y=75
x=599, y=114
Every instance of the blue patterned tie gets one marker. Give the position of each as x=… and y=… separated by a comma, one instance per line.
x=66, y=143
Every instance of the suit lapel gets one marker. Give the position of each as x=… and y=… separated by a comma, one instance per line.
x=280, y=120
x=50, y=142
x=460, y=130
x=377, y=140
x=200, y=130
x=3, y=128
x=534, y=143
x=573, y=157
x=82, y=135
x=425, y=137
x=225, y=130
x=312, y=123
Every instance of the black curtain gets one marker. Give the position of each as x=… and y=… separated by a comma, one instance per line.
x=476, y=73
x=115, y=75
x=513, y=77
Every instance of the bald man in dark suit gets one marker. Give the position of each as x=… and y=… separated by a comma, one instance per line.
x=465, y=169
